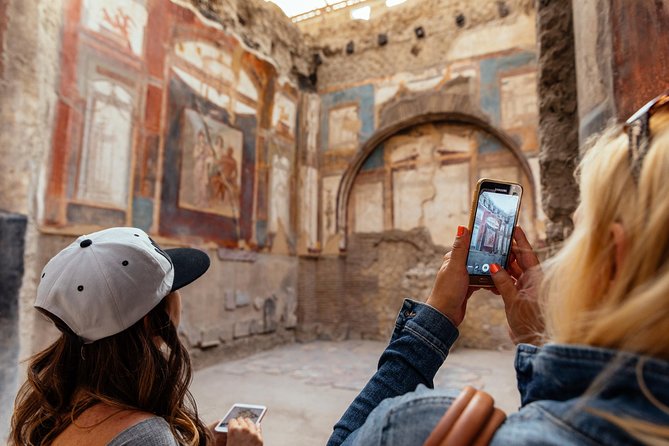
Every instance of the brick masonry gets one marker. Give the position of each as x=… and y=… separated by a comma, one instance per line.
x=357, y=296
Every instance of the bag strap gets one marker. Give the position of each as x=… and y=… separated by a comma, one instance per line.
x=472, y=419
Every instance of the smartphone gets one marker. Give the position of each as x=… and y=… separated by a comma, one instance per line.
x=492, y=219
x=251, y=411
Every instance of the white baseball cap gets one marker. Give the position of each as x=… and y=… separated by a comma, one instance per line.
x=104, y=282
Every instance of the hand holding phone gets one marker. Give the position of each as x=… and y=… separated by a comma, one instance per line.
x=253, y=412
x=451, y=288
x=519, y=288
x=492, y=219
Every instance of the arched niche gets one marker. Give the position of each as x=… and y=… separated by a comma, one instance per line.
x=453, y=105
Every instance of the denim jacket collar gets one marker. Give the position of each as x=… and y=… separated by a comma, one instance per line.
x=563, y=372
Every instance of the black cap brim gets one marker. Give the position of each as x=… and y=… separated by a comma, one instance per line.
x=189, y=264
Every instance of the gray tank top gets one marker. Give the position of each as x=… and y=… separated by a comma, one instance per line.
x=150, y=432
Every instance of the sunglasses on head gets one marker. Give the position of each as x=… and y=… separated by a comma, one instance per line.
x=638, y=131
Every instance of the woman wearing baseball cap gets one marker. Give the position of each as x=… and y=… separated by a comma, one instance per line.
x=118, y=374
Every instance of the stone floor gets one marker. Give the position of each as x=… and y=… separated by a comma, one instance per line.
x=307, y=387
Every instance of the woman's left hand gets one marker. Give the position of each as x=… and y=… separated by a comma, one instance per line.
x=451, y=288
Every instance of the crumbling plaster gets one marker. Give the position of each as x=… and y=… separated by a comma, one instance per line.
x=264, y=29
x=487, y=28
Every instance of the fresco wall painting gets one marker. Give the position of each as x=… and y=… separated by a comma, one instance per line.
x=308, y=175
x=431, y=171
x=519, y=108
x=418, y=170
x=309, y=208
x=282, y=158
x=345, y=125
x=427, y=172
x=170, y=138
x=210, y=177
x=347, y=120
x=279, y=215
x=284, y=115
x=328, y=212
x=367, y=200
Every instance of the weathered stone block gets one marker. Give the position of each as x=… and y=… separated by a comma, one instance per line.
x=226, y=332
x=270, y=317
x=230, y=301
x=209, y=338
x=258, y=303
x=242, y=299
x=242, y=329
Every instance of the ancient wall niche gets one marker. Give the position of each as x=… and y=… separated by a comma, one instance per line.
x=424, y=176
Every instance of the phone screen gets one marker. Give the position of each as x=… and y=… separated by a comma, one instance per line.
x=253, y=413
x=492, y=231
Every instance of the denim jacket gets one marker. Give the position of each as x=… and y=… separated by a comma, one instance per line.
x=561, y=388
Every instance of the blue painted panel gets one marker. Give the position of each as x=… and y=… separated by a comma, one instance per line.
x=490, y=69
x=375, y=159
x=261, y=233
x=363, y=95
x=142, y=213
x=488, y=143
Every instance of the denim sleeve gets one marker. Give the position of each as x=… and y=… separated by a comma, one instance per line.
x=418, y=347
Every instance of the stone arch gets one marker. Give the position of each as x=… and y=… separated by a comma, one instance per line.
x=453, y=104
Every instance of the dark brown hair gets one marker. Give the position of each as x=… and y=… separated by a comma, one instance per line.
x=130, y=370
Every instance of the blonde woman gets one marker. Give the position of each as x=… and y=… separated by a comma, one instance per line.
x=602, y=315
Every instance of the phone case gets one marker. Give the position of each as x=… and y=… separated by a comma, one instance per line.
x=479, y=279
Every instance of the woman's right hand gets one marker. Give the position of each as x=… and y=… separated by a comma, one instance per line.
x=519, y=288
x=244, y=432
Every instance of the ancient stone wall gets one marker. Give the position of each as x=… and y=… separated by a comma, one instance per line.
x=357, y=296
x=596, y=66
x=360, y=106
x=389, y=43
x=174, y=117
x=312, y=156
x=558, y=117
x=29, y=37
x=416, y=104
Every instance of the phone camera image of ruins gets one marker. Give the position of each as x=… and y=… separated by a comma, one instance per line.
x=492, y=232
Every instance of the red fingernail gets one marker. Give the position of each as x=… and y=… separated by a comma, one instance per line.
x=461, y=231
x=494, y=268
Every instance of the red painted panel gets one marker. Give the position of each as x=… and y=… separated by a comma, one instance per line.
x=641, y=52
x=156, y=37
x=69, y=49
x=58, y=173
x=153, y=112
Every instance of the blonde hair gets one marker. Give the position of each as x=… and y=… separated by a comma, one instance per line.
x=584, y=305
x=589, y=297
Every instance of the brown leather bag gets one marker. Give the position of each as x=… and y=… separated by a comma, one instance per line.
x=472, y=419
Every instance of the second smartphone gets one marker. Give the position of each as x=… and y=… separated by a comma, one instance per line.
x=253, y=412
x=493, y=217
